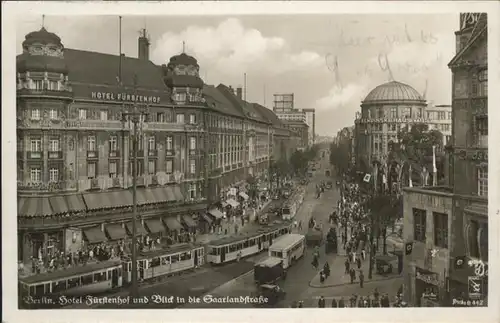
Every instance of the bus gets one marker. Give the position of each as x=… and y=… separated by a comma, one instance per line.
x=165, y=262
x=289, y=248
x=89, y=279
x=268, y=271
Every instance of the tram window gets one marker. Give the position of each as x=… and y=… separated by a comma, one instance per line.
x=99, y=277
x=109, y=274
x=39, y=291
x=87, y=280
x=240, y=246
x=155, y=262
x=212, y=251
x=277, y=254
x=58, y=286
x=73, y=282
x=182, y=256
x=174, y=258
x=264, y=238
x=32, y=290
x=246, y=244
x=119, y=272
x=188, y=255
x=165, y=260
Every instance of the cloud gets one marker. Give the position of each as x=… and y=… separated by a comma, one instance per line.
x=230, y=48
x=340, y=96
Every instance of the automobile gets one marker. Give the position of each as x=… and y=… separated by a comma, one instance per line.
x=384, y=264
x=273, y=293
x=329, y=184
x=264, y=219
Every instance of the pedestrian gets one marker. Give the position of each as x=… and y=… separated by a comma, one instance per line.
x=315, y=262
x=341, y=302
x=376, y=293
x=347, y=265
x=321, y=302
x=321, y=277
x=361, y=278
x=358, y=262
x=301, y=304
x=363, y=253
x=352, y=273
x=326, y=269
x=354, y=256
x=334, y=302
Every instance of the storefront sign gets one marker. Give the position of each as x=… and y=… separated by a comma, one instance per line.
x=427, y=278
x=393, y=120
x=475, y=155
x=109, y=96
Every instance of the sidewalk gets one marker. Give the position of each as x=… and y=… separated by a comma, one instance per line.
x=230, y=226
x=338, y=277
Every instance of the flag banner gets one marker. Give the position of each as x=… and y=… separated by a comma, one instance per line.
x=460, y=262
x=367, y=178
x=408, y=248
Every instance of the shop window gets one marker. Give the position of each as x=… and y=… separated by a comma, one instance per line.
x=419, y=224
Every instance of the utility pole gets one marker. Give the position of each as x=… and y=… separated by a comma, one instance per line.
x=135, y=116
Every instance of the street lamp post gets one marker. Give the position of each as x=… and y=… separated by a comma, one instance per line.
x=135, y=117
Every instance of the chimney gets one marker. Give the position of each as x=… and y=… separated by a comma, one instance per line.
x=143, y=43
x=239, y=93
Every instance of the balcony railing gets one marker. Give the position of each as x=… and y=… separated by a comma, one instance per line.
x=35, y=154
x=169, y=152
x=55, y=154
x=167, y=126
x=92, y=154
x=140, y=153
x=45, y=92
x=114, y=154
x=96, y=124
x=46, y=187
x=192, y=152
x=154, y=180
x=153, y=153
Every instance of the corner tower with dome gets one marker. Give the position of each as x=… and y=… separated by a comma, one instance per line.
x=384, y=111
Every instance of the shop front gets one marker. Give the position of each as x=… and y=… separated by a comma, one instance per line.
x=427, y=288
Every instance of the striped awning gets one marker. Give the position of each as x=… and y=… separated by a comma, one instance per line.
x=116, y=231
x=94, y=234
x=216, y=213
x=172, y=223
x=232, y=202
x=58, y=204
x=207, y=218
x=34, y=206
x=188, y=220
x=244, y=195
x=108, y=200
x=160, y=194
x=75, y=203
x=178, y=193
x=139, y=227
x=155, y=225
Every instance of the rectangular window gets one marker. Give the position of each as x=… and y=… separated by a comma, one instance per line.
x=82, y=114
x=441, y=115
x=53, y=114
x=152, y=167
x=54, y=145
x=104, y=115
x=192, y=191
x=36, y=174
x=482, y=181
x=419, y=224
x=91, y=170
x=180, y=118
x=152, y=143
x=192, y=166
x=169, y=166
x=53, y=85
x=91, y=146
x=38, y=85
x=192, y=118
x=113, y=143
x=394, y=113
x=449, y=115
x=160, y=117
x=36, y=144
x=483, y=83
x=180, y=97
x=440, y=229
x=169, y=145
x=112, y=169
x=35, y=114
x=53, y=174
x=192, y=143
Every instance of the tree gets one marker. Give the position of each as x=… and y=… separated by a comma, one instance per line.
x=252, y=187
x=298, y=161
x=340, y=156
x=279, y=170
x=414, y=146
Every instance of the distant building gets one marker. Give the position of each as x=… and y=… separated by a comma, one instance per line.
x=311, y=122
x=301, y=129
x=439, y=117
x=447, y=226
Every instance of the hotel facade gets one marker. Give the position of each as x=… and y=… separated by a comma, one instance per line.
x=74, y=155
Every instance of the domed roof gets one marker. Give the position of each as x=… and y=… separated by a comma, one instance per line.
x=183, y=59
x=41, y=36
x=393, y=91
x=41, y=63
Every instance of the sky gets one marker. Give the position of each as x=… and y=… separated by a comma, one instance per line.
x=330, y=62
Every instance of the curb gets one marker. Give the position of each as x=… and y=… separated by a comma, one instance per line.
x=344, y=284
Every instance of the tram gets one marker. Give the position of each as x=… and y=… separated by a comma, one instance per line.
x=89, y=279
x=231, y=248
x=162, y=262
